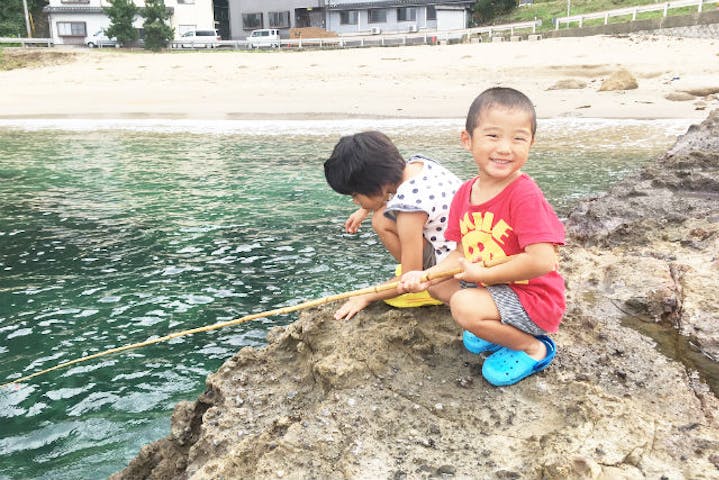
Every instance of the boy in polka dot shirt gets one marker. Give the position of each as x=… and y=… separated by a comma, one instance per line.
x=507, y=309
x=409, y=201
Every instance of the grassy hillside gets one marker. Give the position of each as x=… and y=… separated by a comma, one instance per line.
x=547, y=10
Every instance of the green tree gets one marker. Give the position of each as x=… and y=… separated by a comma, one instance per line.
x=12, y=17
x=157, y=32
x=122, y=13
x=486, y=10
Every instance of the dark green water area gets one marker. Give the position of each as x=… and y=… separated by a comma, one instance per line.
x=111, y=236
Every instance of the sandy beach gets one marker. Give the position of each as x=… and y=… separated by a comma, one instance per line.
x=400, y=82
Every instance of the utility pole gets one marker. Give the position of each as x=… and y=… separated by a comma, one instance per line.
x=569, y=3
x=27, y=19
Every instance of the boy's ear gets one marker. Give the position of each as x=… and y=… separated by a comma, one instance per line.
x=466, y=140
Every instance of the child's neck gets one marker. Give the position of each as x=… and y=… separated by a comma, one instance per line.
x=410, y=170
x=486, y=188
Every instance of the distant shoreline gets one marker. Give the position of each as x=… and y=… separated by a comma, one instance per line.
x=293, y=117
x=303, y=126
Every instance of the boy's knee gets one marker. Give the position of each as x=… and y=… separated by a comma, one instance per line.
x=468, y=309
x=461, y=307
x=439, y=293
x=444, y=291
x=461, y=301
x=380, y=223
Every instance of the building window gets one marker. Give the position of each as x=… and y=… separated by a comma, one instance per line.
x=71, y=29
x=250, y=21
x=407, y=14
x=431, y=12
x=350, y=17
x=74, y=1
x=377, y=15
x=186, y=2
x=279, y=19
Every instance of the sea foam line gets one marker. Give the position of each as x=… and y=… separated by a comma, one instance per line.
x=317, y=127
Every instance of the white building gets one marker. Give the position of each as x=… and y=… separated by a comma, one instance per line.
x=348, y=16
x=70, y=21
x=394, y=16
x=248, y=15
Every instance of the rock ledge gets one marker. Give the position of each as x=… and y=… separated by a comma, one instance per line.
x=392, y=394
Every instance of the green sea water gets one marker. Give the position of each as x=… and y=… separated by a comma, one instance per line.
x=113, y=233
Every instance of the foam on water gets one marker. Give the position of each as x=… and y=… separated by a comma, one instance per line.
x=320, y=127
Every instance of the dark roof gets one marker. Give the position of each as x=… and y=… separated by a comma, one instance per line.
x=76, y=9
x=50, y=9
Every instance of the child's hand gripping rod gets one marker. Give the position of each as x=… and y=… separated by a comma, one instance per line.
x=425, y=278
x=278, y=311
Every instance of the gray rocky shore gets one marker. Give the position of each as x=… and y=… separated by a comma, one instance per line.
x=392, y=394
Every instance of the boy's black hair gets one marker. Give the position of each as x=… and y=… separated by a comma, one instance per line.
x=364, y=163
x=503, y=97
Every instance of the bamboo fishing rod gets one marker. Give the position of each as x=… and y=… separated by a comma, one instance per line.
x=383, y=287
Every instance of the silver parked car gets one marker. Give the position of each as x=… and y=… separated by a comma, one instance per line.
x=99, y=39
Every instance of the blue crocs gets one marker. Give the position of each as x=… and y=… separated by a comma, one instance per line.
x=507, y=367
x=477, y=345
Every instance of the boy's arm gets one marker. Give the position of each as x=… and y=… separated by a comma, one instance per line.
x=354, y=221
x=412, y=281
x=410, y=232
x=537, y=259
x=410, y=226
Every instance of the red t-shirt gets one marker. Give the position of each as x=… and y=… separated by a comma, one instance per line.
x=518, y=216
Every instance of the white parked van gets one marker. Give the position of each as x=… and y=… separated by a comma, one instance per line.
x=200, y=39
x=264, y=37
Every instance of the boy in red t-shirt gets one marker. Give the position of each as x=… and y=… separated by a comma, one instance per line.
x=510, y=308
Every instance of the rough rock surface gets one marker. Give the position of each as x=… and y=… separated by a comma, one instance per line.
x=392, y=394
x=679, y=96
x=665, y=221
x=702, y=91
x=619, y=80
x=568, y=84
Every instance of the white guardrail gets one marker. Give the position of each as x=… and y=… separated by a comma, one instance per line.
x=633, y=11
x=27, y=41
x=398, y=38
x=511, y=27
x=427, y=37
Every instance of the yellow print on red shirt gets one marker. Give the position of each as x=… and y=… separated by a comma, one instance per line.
x=482, y=241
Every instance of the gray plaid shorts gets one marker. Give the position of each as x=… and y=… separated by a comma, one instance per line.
x=511, y=311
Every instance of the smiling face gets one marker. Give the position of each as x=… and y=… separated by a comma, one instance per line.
x=500, y=142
